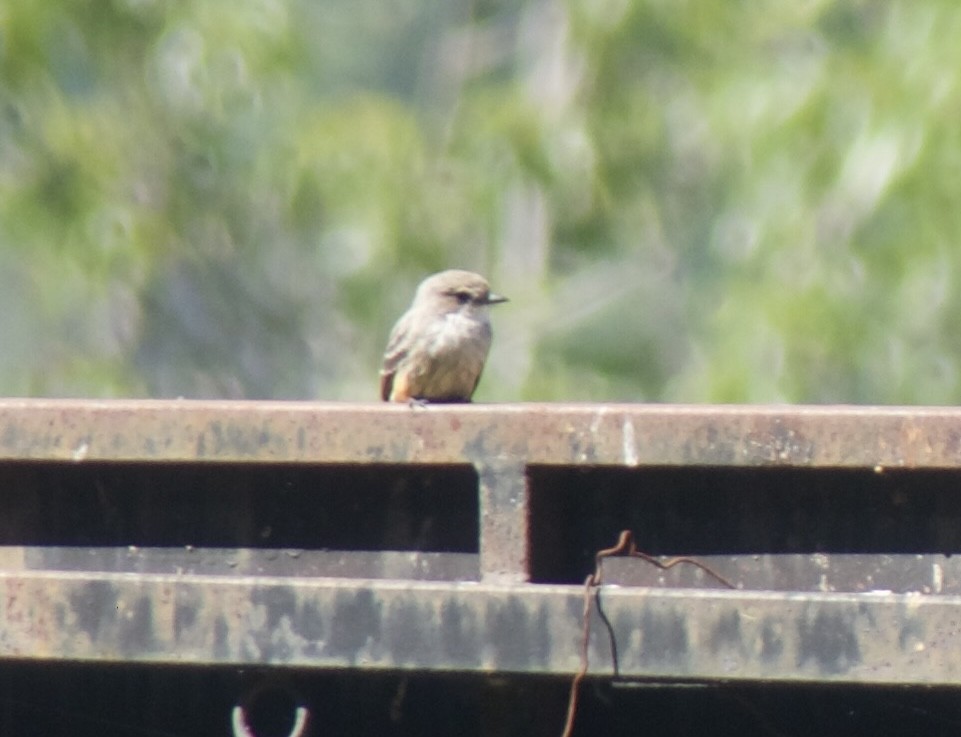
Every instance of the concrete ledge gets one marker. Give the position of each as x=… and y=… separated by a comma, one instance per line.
x=346, y=623
x=546, y=434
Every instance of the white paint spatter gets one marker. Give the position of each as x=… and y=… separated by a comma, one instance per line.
x=588, y=441
x=937, y=578
x=80, y=452
x=596, y=422
x=629, y=441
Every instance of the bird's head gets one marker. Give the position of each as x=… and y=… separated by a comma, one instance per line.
x=456, y=291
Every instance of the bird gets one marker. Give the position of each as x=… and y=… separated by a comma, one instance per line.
x=437, y=350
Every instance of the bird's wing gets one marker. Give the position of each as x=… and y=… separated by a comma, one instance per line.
x=397, y=346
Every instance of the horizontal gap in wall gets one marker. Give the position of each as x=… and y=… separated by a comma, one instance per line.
x=344, y=507
x=701, y=511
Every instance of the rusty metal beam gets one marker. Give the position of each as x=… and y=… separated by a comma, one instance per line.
x=613, y=435
x=346, y=623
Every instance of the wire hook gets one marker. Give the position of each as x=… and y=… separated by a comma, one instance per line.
x=255, y=697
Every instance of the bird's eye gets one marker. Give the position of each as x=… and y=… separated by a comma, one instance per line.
x=462, y=297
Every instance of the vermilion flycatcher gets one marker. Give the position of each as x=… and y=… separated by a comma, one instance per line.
x=437, y=349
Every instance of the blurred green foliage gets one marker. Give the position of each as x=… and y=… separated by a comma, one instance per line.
x=711, y=201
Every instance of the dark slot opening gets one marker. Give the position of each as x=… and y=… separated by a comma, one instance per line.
x=402, y=508
x=731, y=511
x=95, y=700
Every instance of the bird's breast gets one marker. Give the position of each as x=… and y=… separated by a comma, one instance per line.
x=458, y=333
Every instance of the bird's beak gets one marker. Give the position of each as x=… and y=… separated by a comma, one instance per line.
x=493, y=299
